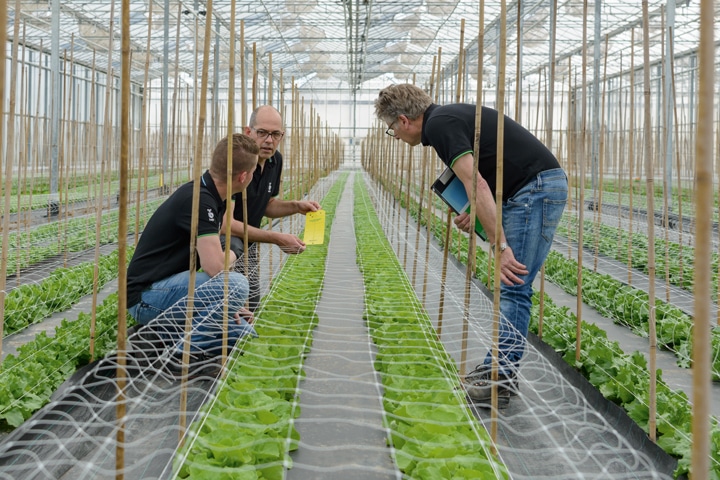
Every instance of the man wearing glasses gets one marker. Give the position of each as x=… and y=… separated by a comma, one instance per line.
x=534, y=196
x=266, y=128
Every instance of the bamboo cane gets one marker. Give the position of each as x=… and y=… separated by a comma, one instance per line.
x=571, y=148
x=283, y=112
x=62, y=167
x=619, y=150
x=448, y=223
x=650, y=193
x=269, y=94
x=703, y=178
x=601, y=161
x=549, y=111
x=197, y=159
x=540, y=95
x=407, y=203
x=581, y=199
x=421, y=198
x=280, y=195
x=243, y=78
x=498, y=215
x=229, y=181
x=104, y=162
x=9, y=148
x=34, y=150
x=142, y=160
x=22, y=154
x=400, y=150
x=631, y=153
x=458, y=97
x=174, y=102
x=549, y=118
x=667, y=189
x=122, y=235
x=243, y=196
x=470, y=268
x=680, y=189
x=254, y=76
x=98, y=216
x=75, y=130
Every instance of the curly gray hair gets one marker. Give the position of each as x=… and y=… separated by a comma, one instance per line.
x=401, y=99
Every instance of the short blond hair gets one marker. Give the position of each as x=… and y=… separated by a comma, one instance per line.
x=401, y=99
x=245, y=156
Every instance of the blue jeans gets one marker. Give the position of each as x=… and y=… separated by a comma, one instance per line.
x=530, y=218
x=164, y=304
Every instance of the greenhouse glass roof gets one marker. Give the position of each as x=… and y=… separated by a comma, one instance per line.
x=348, y=43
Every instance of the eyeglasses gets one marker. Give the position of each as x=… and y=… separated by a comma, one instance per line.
x=263, y=134
x=390, y=131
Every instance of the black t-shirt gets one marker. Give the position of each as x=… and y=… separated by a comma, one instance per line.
x=450, y=130
x=164, y=247
x=262, y=188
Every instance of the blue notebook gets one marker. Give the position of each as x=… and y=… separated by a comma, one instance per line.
x=452, y=191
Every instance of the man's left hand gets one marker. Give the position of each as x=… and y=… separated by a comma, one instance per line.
x=244, y=313
x=510, y=268
x=290, y=243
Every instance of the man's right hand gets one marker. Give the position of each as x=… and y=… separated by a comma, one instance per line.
x=462, y=221
x=289, y=243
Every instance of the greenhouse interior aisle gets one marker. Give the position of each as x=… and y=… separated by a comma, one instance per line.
x=341, y=425
x=550, y=430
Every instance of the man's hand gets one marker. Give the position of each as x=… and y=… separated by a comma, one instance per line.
x=510, y=268
x=462, y=222
x=289, y=243
x=305, y=206
x=244, y=313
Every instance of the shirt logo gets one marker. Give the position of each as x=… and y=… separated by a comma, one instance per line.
x=269, y=187
x=211, y=215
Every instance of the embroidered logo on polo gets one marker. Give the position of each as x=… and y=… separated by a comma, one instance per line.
x=269, y=187
x=211, y=215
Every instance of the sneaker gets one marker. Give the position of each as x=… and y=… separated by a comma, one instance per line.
x=199, y=365
x=478, y=385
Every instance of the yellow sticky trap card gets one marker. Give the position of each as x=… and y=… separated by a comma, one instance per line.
x=314, y=228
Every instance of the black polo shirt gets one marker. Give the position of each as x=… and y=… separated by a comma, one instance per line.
x=450, y=130
x=262, y=188
x=164, y=247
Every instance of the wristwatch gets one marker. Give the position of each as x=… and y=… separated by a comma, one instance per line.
x=503, y=246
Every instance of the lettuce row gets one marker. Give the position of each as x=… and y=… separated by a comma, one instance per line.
x=614, y=242
x=74, y=235
x=32, y=302
x=629, y=306
x=247, y=431
x=28, y=380
x=434, y=434
x=611, y=370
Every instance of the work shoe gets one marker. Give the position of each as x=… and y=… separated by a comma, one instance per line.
x=478, y=385
x=199, y=365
